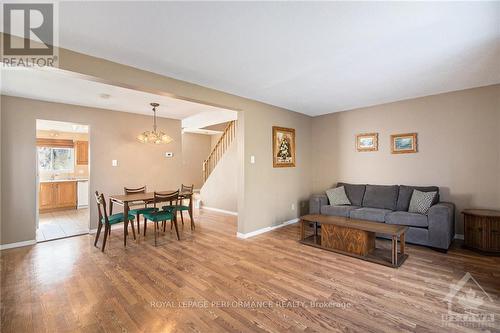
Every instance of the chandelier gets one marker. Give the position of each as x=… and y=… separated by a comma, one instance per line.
x=154, y=136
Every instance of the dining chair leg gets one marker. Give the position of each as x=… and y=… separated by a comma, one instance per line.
x=107, y=229
x=192, y=220
x=156, y=227
x=133, y=229
x=138, y=226
x=145, y=224
x=98, y=233
x=182, y=218
x=176, y=228
x=164, y=225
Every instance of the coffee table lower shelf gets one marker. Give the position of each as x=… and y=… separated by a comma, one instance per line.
x=378, y=255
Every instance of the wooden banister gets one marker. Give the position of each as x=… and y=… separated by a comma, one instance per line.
x=219, y=149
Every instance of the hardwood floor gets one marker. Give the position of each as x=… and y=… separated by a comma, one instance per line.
x=69, y=285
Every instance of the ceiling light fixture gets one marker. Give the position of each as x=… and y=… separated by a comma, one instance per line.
x=154, y=136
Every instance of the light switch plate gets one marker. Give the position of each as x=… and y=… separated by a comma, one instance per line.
x=252, y=159
x=114, y=163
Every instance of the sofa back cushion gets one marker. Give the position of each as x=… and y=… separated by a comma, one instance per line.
x=355, y=192
x=405, y=193
x=381, y=196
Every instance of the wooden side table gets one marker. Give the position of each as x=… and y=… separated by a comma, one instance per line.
x=482, y=230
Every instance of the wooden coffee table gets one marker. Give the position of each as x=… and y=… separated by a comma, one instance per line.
x=355, y=238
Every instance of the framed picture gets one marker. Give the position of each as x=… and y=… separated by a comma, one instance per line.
x=404, y=143
x=367, y=142
x=283, y=147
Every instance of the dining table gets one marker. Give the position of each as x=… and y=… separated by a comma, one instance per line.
x=126, y=200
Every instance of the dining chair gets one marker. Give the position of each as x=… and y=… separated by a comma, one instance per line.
x=138, y=211
x=186, y=193
x=163, y=215
x=108, y=221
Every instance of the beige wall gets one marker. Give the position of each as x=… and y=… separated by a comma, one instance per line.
x=195, y=149
x=457, y=142
x=255, y=210
x=214, y=138
x=282, y=187
x=112, y=136
x=221, y=188
x=270, y=192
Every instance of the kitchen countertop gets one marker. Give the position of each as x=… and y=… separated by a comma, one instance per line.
x=64, y=180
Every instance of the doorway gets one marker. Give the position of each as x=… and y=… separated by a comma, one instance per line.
x=62, y=176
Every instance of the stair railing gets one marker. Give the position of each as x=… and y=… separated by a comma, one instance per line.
x=219, y=149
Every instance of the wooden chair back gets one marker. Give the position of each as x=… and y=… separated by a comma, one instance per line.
x=172, y=197
x=101, y=207
x=187, y=189
x=186, y=193
x=131, y=190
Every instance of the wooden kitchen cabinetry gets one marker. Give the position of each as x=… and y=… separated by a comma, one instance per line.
x=57, y=195
x=82, y=152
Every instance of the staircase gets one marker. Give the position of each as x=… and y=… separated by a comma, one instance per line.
x=219, y=149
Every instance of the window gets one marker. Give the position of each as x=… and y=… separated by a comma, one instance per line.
x=56, y=159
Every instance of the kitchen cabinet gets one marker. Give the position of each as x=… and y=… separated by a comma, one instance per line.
x=82, y=152
x=57, y=195
x=46, y=196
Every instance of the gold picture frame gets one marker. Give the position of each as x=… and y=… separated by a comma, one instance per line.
x=404, y=143
x=283, y=147
x=367, y=142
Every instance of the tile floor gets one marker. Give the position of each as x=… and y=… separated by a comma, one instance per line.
x=62, y=224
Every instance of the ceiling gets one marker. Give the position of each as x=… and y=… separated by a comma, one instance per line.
x=310, y=57
x=61, y=126
x=64, y=87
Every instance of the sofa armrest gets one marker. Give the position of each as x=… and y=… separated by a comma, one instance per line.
x=441, y=224
x=316, y=202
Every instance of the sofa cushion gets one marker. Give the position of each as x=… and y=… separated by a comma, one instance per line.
x=337, y=210
x=370, y=214
x=409, y=219
x=355, y=192
x=381, y=196
x=337, y=196
x=421, y=201
x=405, y=193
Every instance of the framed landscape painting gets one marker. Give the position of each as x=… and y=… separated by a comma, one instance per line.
x=367, y=142
x=283, y=147
x=404, y=143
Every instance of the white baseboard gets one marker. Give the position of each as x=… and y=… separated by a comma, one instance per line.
x=220, y=210
x=459, y=236
x=18, y=244
x=266, y=229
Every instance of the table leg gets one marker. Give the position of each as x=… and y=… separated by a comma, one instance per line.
x=395, y=250
x=402, y=244
x=125, y=223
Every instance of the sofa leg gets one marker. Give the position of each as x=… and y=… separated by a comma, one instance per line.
x=439, y=250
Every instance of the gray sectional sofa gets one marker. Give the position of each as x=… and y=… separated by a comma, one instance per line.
x=389, y=204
